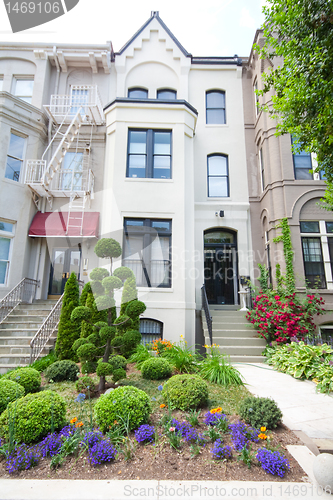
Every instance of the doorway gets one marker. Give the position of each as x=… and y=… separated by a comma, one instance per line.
x=220, y=266
x=65, y=261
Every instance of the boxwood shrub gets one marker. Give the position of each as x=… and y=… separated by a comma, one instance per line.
x=62, y=370
x=85, y=385
x=29, y=378
x=9, y=391
x=35, y=416
x=185, y=391
x=122, y=405
x=260, y=412
x=156, y=369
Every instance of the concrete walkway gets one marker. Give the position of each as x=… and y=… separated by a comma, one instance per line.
x=303, y=408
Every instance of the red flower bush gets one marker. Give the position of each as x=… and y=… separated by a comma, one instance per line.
x=284, y=318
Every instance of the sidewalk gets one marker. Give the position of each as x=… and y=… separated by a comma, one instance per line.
x=303, y=408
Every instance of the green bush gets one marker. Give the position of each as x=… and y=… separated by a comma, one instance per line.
x=118, y=374
x=260, y=412
x=68, y=331
x=156, y=369
x=185, y=392
x=29, y=378
x=9, y=391
x=130, y=340
x=41, y=364
x=35, y=416
x=118, y=362
x=104, y=369
x=139, y=356
x=62, y=370
x=88, y=367
x=85, y=384
x=124, y=404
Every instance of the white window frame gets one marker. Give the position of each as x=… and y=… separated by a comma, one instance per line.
x=18, y=134
x=29, y=78
x=261, y=168
x=7, y=235
x=1, y=83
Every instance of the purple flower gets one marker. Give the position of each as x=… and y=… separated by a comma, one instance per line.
x=213, y=418
x=144, y=433
x=160, y=387
x=81, y=397
x=22, y=458
x=219, y=451
x=102, y=451
x=273, y=462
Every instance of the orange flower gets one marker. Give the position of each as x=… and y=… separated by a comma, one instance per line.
x=162, y=406
x=262, y=436
x=115, y=422
x=79, y=424
x=219, y=409
x=213, y=410
x=73, y=420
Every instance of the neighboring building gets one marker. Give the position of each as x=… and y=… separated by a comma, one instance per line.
x=158, y=149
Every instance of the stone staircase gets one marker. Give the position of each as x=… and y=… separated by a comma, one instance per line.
x=18, y=329
x=234, y=335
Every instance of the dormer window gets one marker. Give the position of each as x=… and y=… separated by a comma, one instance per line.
x=167, y=94
x=138, y=93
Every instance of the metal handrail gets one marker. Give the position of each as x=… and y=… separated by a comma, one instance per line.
x=24, y=291
x=209, y=319
x=43, y=335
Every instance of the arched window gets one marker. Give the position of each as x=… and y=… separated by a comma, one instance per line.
x=150, y=329
x=167, y=94
x=138, y=93
x=215, y=107
x=218, y=176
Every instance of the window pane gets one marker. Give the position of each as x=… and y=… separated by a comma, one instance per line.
x=6, y=226
x=303, y=162
x=166, y=94
x=161, y=225
x=302, y=174
x=137, y=166
x=13, y=168
x=215, y=100
x=313, y=262
x=16, y=146
x=216, y=116
x=73, y=162
x=138, y=93
x=162, y=143
x=217, y=165
x=24, y=87
x=219, y=237
x=329, y=227
x=4, y=248
x=138, y=142
x=217, y=186
x=309, y=227
x=3, y=272
x=134, y=223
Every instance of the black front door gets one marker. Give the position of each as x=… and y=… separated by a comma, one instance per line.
x=220, y=274
x=65, y=261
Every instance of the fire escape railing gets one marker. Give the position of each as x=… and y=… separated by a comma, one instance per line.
x=209, y=319
x=24, y=291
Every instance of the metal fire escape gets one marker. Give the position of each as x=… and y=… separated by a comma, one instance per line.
x=56, y=177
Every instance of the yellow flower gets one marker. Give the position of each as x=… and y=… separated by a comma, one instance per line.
x=219, y=409
x=73, y=420
x=262, y=429
x=262, y=436
x=213, y=410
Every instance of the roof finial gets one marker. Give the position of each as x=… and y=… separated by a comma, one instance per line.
x=154, y=13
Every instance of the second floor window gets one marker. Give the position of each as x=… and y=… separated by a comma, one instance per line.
x=167, y=94
x=15, y=156
x=218, y=178
x=149, y=154
x=138, y=93
x=6, y=236
x=215, y=107
x=24, y=88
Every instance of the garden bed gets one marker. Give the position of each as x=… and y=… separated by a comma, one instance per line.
x=158, y=460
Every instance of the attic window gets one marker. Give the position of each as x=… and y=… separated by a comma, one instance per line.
x=167, y=94
x=138, y=93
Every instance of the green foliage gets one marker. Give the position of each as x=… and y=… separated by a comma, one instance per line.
x=42, y=363
x=217, y=369
x=301, y=32
x=88, y=367
x=68, y=331
x=62, y=370
x=104, y=302
x=135, y=308
x=304, y=361
x=9, y=391
x=288, y=252
x=123, y=273
x=78, y=343
x=118, y=362
x=118, y=374
x=263, y=278
x=85, y=385
x=130, y=340
x=107, y=333
x=125, y=404
x=35, y=416
x=156, y=369
x=111, y=283
x=81, y=313
x=87, y=352
x=99, y=273
x=104, y=369
x=260, y=412
x=97, y=288
x=181, y=357
x=139, y=356
x=107, y=248
x=185, y=392
x=129, y=293
x=84, y=294
x=96, y=316
x=123, y=323
x=29, y=378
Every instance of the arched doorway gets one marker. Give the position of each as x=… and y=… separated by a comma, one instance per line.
x=220, y=266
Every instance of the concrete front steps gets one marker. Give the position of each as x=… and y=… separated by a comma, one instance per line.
x=234, y=335
x=18, y=329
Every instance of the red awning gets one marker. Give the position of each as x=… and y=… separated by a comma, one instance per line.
x=53, y=224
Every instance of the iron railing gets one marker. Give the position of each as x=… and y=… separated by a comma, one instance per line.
x=209, y=319
x=24, y=291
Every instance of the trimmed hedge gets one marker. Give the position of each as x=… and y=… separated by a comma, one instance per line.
x=29, y=378
x=185, y=392
x=62, y=370
x=156, y=369
x=9, y=391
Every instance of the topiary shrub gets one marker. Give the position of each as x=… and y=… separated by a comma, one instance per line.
x=185, y=391
x=29, y=378
x=118, y=362
x=156, y=369
x=124, y=404
x=9, y=391
x=129, y=341
x=68, y=332
x=88, y=367
x=118, y=374
x=85, y=385
x=35, y=416
x=260, y=412
x=62, y=370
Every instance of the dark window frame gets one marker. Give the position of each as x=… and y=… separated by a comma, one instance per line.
x=159, y=91
x=136, y=89
x=150, y=142
x=312, y=278
x=222, y=109
x=303, y=155
x=149, y=337
x=148, y=233
x=214, y=155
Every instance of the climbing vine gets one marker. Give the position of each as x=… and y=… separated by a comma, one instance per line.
x=288, y=252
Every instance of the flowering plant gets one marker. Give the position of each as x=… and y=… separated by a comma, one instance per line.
x=221, y=452
x=144, y=433
x=273, y=462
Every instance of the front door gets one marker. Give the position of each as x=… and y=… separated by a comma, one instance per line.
x=220, y=263
x=65, y=261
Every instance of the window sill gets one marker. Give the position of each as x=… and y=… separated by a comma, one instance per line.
x=147, y=179
x=16, y=183
x=154, y=289
x=217, y=125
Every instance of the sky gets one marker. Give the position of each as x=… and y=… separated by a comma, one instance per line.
x=206, y=28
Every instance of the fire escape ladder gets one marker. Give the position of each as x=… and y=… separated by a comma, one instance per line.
x=76, y=214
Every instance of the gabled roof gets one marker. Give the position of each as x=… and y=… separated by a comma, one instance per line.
x=154, y=15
